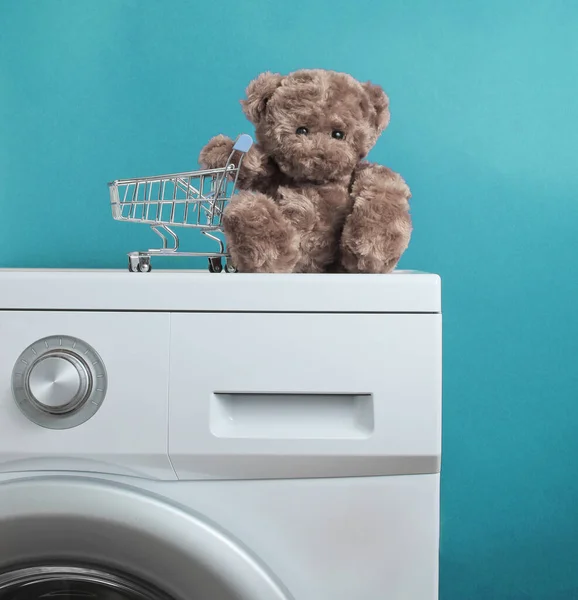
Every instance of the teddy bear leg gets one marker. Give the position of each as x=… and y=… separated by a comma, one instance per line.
x=259, y=237
x=375, y=236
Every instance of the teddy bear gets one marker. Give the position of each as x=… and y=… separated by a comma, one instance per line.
x=308, y=201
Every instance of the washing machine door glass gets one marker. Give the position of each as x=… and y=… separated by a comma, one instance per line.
x=73, y=583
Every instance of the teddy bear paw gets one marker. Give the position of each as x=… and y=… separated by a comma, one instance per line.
x=372, y=242
x=216, y=153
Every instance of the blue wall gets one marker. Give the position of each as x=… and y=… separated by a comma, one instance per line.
x=485, y=129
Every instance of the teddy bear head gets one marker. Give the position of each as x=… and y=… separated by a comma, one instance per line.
x=316, y=124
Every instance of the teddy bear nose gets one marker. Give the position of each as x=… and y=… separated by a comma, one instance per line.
x=321, y=152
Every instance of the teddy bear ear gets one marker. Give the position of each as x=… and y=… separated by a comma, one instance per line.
x=258, y=94
x=380, y=103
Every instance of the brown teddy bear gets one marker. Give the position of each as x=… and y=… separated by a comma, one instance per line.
x=308, y=202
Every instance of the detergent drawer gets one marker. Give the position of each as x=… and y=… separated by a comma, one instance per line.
x=273, y=395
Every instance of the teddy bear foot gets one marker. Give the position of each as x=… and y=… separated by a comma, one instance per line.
x=259, y=237
x=368, y=264
x=366, y=249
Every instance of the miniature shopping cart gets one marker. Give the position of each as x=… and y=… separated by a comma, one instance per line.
x=194, y=199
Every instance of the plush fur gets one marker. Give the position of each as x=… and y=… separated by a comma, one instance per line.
x=308, y=200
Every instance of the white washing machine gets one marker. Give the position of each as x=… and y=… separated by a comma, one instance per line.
x=193, y=436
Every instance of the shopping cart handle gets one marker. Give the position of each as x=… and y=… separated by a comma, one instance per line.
x=243, y=143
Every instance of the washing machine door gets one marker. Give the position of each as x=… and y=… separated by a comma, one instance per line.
x=54, y=582
x=67, y=538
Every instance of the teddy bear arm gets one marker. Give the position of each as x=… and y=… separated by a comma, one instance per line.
x=216, y=153
x=373, y=181
x=256, y=171
x=378, y=230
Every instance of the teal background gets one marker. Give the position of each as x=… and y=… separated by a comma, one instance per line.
x=484, y=98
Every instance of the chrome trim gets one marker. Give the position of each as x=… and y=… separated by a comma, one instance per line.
x=136, y=590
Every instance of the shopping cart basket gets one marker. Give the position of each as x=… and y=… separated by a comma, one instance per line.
x=194, y=199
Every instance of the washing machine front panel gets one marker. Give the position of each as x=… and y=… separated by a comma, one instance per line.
x=313, y=406
x=304, y=395
x=314, y=539
x=84, y=391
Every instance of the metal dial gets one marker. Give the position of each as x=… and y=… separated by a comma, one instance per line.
x=59, y=382
x=55, y=383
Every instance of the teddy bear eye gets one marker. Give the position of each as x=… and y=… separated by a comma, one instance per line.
x=302, y=131
x=338, y=134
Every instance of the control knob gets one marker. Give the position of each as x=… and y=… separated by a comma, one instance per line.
x=59, y=382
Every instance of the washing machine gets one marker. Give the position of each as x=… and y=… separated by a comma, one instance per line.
x=197, y=436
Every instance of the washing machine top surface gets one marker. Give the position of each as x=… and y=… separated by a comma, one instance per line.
x=200, y=291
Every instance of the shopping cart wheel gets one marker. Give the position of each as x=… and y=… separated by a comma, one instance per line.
x=230, y=267
x=142, y=264
x=215, y=265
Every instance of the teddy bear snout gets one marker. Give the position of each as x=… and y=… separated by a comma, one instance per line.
x=321, y=151
x=321, y=155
